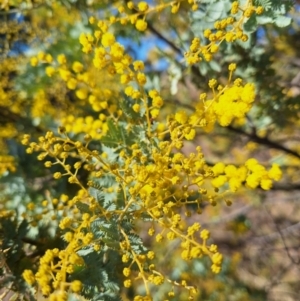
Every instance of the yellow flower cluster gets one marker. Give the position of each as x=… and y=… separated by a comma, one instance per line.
x=12, y=106
x=160, y=188
x=84, y=87
x=55, y=265
x=260, y=176
x=146, y=183
x=153, y=176
x=136, y=13
x=110, y=57
x=235, y=102
x=96, y=128
x=41, y=105
x=252, y=173
x=229, y=103
x=7, y=163
x=229, y=29
x=144, y=186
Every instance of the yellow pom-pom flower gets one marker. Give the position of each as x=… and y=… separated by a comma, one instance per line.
x=181, y=117
x=108, y=39
x=141, y=25
x=143, y=6
x=76, y=286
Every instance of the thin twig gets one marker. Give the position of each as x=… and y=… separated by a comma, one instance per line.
x=293, y=260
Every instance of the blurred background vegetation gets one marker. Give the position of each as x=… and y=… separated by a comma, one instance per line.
x=259, y=233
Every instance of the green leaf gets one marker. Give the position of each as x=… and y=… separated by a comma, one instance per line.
x=247, y=44
x=111, y=153
x=115, y=136
x=23, y=229
x=109, y=203
x=266, y=4
x=75, y=297
x=215, y=66
x=84, y=208
x=113, y=287
x=85, y=251
x=126, y=107
x=264, y=19
x=203, y=68
x=283, y=21
x=251, y=24
x=111, y=243
x=106, y=297
x=215, y=11
x=111, y=230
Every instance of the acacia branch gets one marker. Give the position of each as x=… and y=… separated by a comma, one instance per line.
x=253, y=136
x=195, y=70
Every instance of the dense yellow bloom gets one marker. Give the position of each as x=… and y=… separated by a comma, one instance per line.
x=50, y=71
x=141, y=25
x=205, y=234
x=275, y=173
x=154, y=113
x=143, y=6
x=126, y=272
x=253, y=181
x=235, y=183
x=230, y=170
x=72, y=83
x=234, y=103
x=28, y=277
x=153, y=175
x=141, y=79
x=181, y=117
x=157, y=101
x=136, y=108
x=266, y=184
x=82, y=93
x=34, y=61
x=190, y=135
x=64, y=74
x=219, y=181
x=138, y=65
x=117, y=51
x=76, y=286
x=77, y=67
x=127, y=283
x=259, y=10
x=218, y=168
x=7, y=163
x=108, y=39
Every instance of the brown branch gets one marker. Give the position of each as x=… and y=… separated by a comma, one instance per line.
x=275, y=235
x=195, y=70
x=286, y=187
x=282, y=237
x=264, y=141
x=31, y=241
